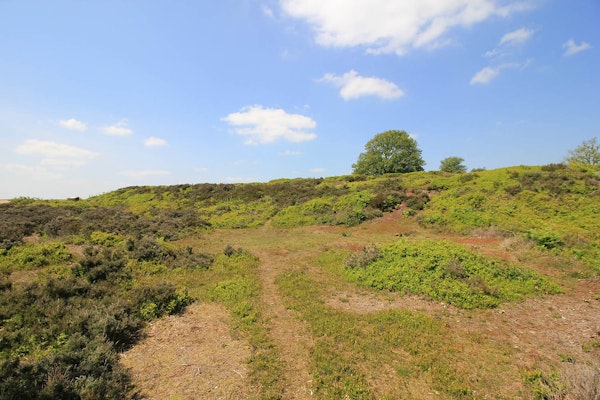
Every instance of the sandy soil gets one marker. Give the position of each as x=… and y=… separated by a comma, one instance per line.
x=191, y=356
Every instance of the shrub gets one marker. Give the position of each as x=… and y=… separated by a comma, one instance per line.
x=445, y=271
x=368, y=254
x=545, y=239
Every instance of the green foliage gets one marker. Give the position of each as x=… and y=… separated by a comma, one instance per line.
x=60, y=337
x=545, y=386
x=350, y=349
x=31, y=257
x=449, y=272
x=555, y=206
x=389, y=152
x=545, y=239
x=587, y=154
x=452, y=165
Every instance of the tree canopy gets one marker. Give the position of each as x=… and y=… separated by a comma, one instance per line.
x=453, y=164
x=388, y=152
x=588, y=153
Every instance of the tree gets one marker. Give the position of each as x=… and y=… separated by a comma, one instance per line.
x=389, y=151
x=453, y=164
x=588, y=153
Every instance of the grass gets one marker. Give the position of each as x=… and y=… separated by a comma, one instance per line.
x=352, y=350
x=235, y=285
x=448, y=272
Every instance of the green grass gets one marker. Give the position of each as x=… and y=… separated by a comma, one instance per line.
x=352, y=350
x=232, y=281
x=448, y=272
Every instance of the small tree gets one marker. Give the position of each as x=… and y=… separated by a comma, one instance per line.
x=388, y=152
x=453, y=164
x=588, y=153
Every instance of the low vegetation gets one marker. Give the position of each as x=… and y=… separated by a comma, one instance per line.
x=446, y=272
x=79, y=281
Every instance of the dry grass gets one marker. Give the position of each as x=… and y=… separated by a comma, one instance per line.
x=490, y=349
x=191, y=356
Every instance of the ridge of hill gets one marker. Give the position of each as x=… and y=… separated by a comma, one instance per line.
x=552, y=205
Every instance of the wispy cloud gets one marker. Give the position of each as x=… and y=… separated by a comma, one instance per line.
x=55, y=153
x=488, y=74
x=34, y=172
x=573, y=48
x=73, y=124
x=317, y=170
x=516, y=37
x=265, y=125
x=142, y=174
x=267, y=11
x=290, y=153
x=353, y=86
x=118, y=129
x=509, y=42
x=155, y=142
x=503, y=56
x=384, y=26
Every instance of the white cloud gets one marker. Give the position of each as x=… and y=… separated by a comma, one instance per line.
x=486, y=75
x=290, y=153
x=265, y=125
x=385, y=26
x=73, y=124
x=37, y=173
x=517, y=37
x=63, y=164
x=354, y=86
x=573, y=48
x=317, y=170
x=118, y=129
x=54, y=151
x=154, y=142
x=509, y=41
x=267, y=11
x=505, y=50
x=141, y=174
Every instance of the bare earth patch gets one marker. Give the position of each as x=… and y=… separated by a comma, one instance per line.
x=369, y=302
x=190, y=356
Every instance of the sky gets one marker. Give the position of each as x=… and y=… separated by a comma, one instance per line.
x=103, y=94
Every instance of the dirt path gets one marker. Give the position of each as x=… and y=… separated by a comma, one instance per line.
x=289, y=333
x=191, y=356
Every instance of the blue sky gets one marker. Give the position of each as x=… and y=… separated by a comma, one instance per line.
x=98, y=95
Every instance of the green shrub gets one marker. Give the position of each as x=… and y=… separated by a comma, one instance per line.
x=545, y=239
x=447, y=272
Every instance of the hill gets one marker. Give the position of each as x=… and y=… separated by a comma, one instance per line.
x=421, y=285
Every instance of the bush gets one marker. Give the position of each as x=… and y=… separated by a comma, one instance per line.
x=368, y=255
x=545, y=239
x=446, y=272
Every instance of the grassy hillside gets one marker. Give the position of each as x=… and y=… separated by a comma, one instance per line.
x=80, y=281
x=553, y=206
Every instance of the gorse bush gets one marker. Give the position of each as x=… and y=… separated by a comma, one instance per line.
x=446, y=272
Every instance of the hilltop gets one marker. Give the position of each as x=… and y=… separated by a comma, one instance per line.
x=419, y=285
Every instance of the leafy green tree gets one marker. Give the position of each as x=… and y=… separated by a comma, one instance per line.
x=388, y=152
x=453, y=164
x=588, y=153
